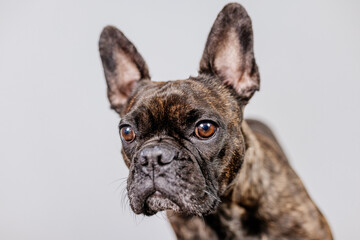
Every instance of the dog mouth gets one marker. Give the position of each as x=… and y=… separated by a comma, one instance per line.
x=179, y=186
x=157, y=202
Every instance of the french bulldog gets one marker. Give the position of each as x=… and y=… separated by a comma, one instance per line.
x=190, y=151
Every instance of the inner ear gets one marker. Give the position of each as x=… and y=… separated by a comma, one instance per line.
x=227, y=62
x=127, y=73
x=229, y=51
x=123, y=66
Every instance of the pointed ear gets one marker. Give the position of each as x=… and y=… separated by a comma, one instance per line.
x=123, y=66
x=229, y=51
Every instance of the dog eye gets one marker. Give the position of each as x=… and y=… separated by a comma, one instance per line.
x=127, y=133
x=205, y=130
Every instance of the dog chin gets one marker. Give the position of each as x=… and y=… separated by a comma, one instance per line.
x=158, y=202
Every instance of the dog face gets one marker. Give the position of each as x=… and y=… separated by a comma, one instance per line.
x=182, y=140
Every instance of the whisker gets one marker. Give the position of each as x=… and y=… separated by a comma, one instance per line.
x=116, y=180
x=120, y=185
x=209, y=192
x=124, y=199
x=212, y=195
x=141, y=220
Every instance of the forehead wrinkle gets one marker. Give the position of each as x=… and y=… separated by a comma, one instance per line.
x=215, y=96
x=159, y=99
x=159, y=110
x=174, y=106
x=195, y=91
x=143, y=89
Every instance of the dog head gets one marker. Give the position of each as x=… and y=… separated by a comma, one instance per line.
x=182, y=140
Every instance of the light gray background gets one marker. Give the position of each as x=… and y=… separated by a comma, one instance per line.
x=60, y=161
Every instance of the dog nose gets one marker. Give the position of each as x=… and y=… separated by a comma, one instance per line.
x=156, y=155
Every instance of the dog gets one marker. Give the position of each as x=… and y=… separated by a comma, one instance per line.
x=190, y=152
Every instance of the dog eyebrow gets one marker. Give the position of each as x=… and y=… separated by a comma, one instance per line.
x=193, y=115
x=199, y=114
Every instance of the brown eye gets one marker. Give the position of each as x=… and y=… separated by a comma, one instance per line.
x=205, y=130
x=127, y=133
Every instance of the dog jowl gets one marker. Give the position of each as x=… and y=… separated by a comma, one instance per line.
x=190, y=152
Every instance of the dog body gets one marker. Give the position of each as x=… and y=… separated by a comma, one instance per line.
x=189, y=151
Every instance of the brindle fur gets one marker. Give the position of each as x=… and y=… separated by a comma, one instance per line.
x=237, y=184
x=267, y=201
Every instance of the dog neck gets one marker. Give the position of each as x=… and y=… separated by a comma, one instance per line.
x=249, y=185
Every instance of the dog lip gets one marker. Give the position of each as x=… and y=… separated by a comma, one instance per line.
x=157, y=202
x=156, y=194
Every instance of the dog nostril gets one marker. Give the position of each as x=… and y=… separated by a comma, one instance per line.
x=164, y=159
x=160, y=160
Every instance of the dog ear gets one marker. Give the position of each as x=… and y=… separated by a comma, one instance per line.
x=123, y=66
x=229, y=51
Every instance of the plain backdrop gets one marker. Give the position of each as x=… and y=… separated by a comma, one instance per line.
x=61, y=173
